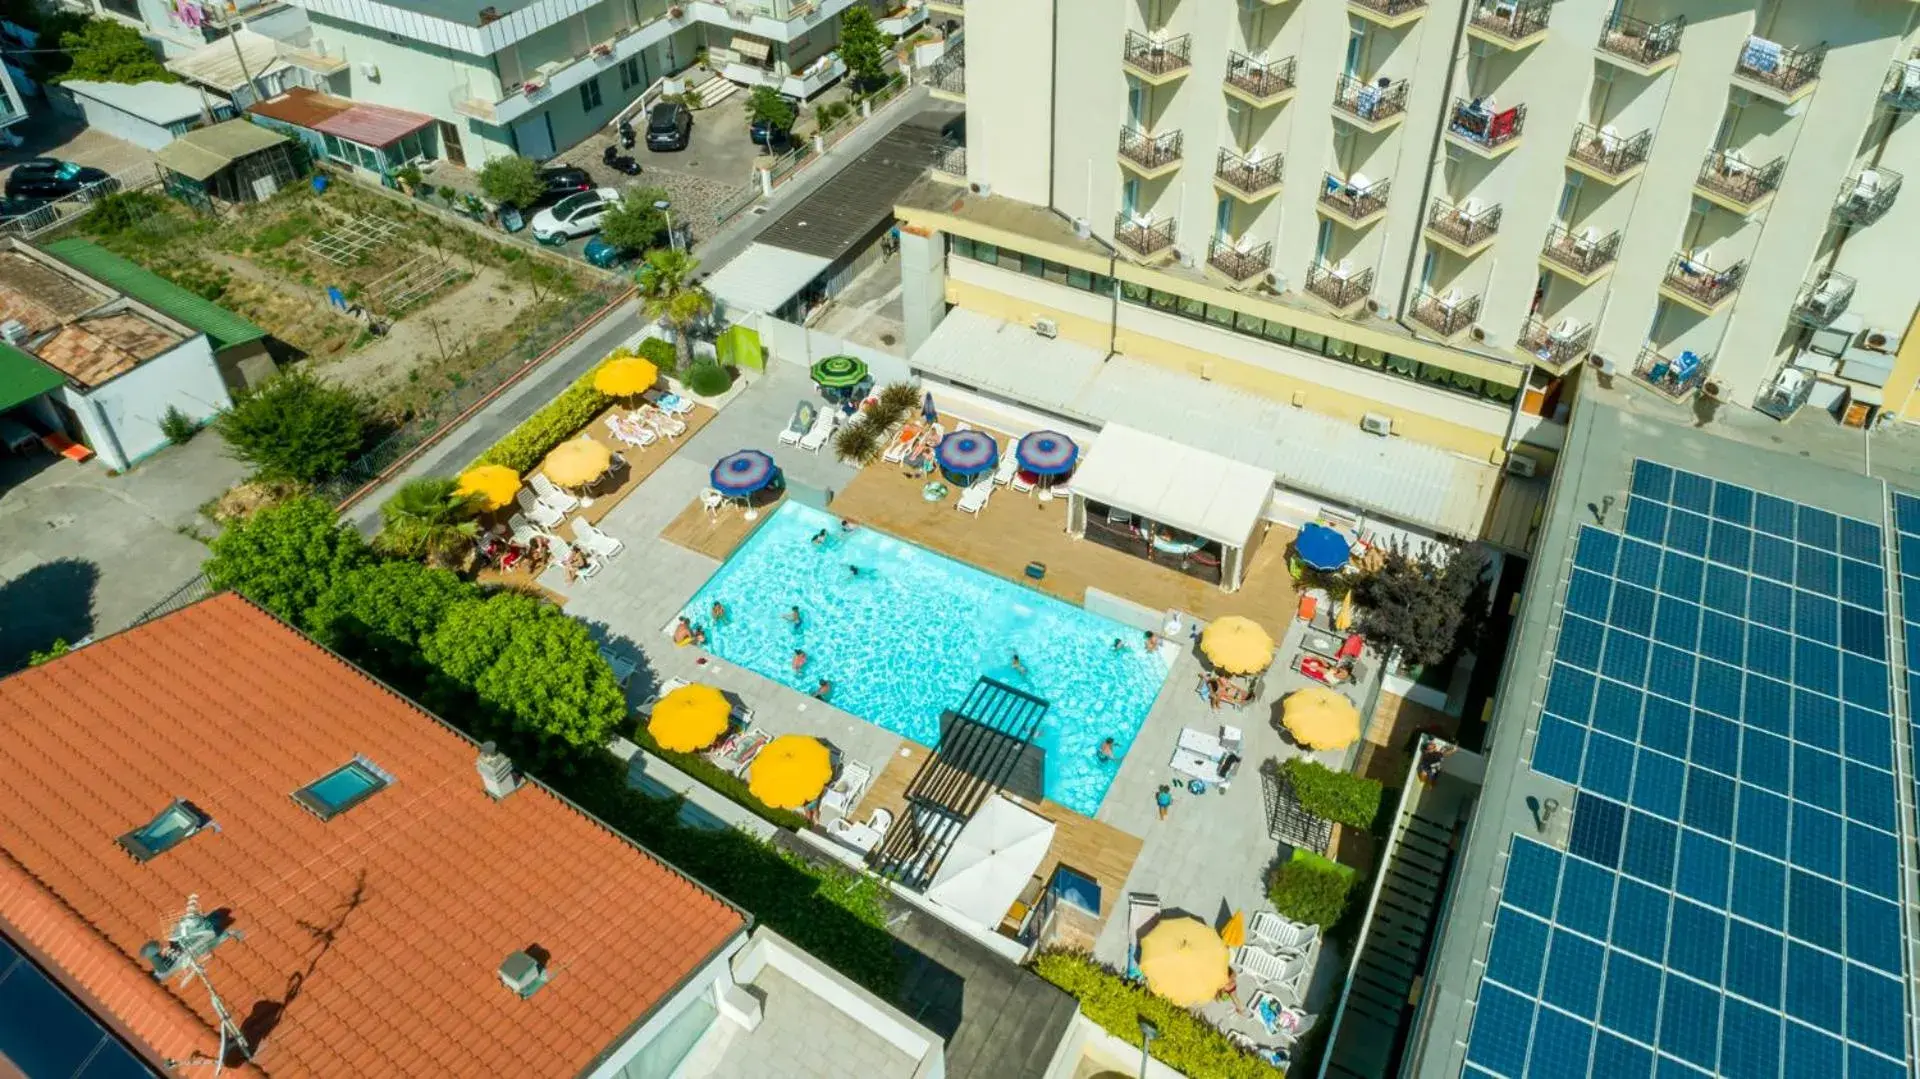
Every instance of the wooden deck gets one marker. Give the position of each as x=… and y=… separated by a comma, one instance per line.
x=1098, y=850
x=1016, y=529
x=716, y=534
x=642, y=462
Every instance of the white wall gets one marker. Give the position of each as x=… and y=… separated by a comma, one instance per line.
x=122, y=417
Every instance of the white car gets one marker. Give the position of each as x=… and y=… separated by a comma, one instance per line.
x=576, y=215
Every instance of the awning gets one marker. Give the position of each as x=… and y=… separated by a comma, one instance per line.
x=217, y=65
x=763, y=278
x=991, y=862
x=1176, y=485
x=23, y=378
x=752, y=48
x=199, y=154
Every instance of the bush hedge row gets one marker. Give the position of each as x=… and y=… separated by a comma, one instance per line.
x=1309, y=888
x=1186, y=1041
x=527, y=444
x=721, y=780
x=1340, y=797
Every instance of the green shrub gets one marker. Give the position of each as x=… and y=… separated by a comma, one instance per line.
x=295, y=427
x=858, y=443
x=176, y=425
x=54, y=651
x=120, y=211
x=526, y=444
x=720, y=780
x=1186, y=1041
x=708, y=379
x=1343, y=798
x=1309, y=888
x=898, y=399
x=658, y=352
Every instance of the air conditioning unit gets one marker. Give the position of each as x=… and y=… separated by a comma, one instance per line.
x=1522, y=465
x=1880, y=340
x=1374, y=423
x=371, y=71
x=1602, y=364
x=1046, y=327
x=980, y=188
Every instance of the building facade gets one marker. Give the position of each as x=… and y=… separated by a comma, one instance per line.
x=1682, y=193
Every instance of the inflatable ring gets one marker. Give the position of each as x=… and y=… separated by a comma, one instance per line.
x=934, y=492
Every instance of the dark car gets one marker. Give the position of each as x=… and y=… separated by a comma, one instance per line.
x=12, y=209
x=559, y=182
x=668, y=126
x=52, y=178
x=768, y=137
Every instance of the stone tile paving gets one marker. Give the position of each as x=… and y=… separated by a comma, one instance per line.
x=797, y=1038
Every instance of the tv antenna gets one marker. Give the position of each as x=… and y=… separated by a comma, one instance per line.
x=189, y=941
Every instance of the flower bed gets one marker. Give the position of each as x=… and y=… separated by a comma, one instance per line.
x=1186, y=1041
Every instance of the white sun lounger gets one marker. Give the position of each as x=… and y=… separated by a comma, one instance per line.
x=799, y=425
x=595, y=541
x=822, y=427
x=1282, y=975
x=1142, y=909
x=738, y=752
x=537, y=511
x=902, y=444
x=975, y=498
x=520, y=531
x=846, y=791
x=1281, y=934
x=662, y=422
x=631, y=431
x=549, y=492
x=1020, y=483
x=1009, y=464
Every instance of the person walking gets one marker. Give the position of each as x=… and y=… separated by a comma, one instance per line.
x=1163, y=798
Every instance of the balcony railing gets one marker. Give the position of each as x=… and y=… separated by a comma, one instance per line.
x=1823, y=299
x=1145, y=239
x=1559, y=346
x=1640, y=42
x=1610, y=153
x=1727, y=175
x=1340, y=289
x=1249, y=177
x=1392, y=9
x=1355, y=203
x=949, y=73
x=1901, y=88
x=1257, y=78
x=1150, y=151
x=1866, y=196
x=1237, y=264
x=1473, y=122
x=1676, y=378
x=1515, y=22
x=1786, y=70
x=950, y=159
x=1446, y=314
x=1703, y=283
x=1370, y=101
x=1585, y=252
x=1159, y=57
x=1464, y=225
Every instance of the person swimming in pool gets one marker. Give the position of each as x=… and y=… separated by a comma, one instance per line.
x=1017, y=665
x=1107, y=750
x=793, y=615
x=847, y=525
x=819, y=538
x=719, y=612
x=799, y=660
x=824, y=690
x=1119, y=645
x=854, y=571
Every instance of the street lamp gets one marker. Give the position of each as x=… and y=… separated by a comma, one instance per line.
x=1148, y=1032
x=664, y=206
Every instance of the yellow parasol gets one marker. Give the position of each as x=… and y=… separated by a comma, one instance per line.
x=1343, y=618
x=689, y=719
x=1319, y=718
x=577, y=461
x=624, y=376
x=493, y=486
x=791, y=771
x=1234, y=933
x=1237, y=645
x=1184, y=961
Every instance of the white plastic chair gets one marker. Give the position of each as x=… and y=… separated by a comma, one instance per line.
x=550, y=493
x=1278, y=974
x=846, y=791
x=711, y=500
x=595, y=541
x=1279, y=933
x=537, y=511
x=975, y=498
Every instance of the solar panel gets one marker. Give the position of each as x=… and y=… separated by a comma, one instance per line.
x=1728, y=901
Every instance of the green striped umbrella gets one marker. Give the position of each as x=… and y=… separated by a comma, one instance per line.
x=839, y=372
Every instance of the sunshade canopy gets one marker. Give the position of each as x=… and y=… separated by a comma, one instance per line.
x=690, y=718
x=1177, y=485
x=967, y=453
x=625, y=376
x=577, y=461
x=493, y=485
x=197, y=155
x=1322, y=547
x=1319, y=718
x=840, y=372
x=743, y=472
x=991, y=861
x=1237, y=645
x=791, y=771
x=1184, y=960
x=1047, y=453
x=1234, y=933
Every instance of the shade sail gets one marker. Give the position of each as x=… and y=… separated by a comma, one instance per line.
x=1177, y=485
x=991, y=861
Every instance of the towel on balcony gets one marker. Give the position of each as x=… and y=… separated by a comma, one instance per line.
x=1685, y=366
x=1365, y=100
x=1761, y=55
x=1502, y=124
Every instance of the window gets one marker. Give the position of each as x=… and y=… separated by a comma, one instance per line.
x=161, y=834
x=961, y=246
x=1311, y=342
x=630, y=73
x=1194, y=309
x=1080, y=279
x=1162, y=300
x=1055, y=273
x=1369, y=357
x=1009, y=260
x=1340, y=350
x=1279, y=332
x=590, y=94
x=1220, y=316
x=342, y=789
x=986, y=252
x=1133, y=293
x=1251, y=325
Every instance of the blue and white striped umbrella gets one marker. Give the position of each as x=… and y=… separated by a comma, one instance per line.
x=1047, y=453
x=967, y=453
x=743, y=473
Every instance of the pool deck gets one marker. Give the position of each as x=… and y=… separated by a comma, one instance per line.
x=716, y=534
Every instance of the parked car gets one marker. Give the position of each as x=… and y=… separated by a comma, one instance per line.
x=768, y=137
x=561, y=181
x=14, y=208
x=52, y=178
x=668, y=126
x=576, y=215
x=602, y=253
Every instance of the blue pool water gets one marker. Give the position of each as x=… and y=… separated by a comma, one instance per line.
x=908, y=637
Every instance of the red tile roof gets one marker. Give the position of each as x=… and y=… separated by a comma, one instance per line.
x=377, y=935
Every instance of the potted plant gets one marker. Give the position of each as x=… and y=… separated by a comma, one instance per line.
x=410, y=181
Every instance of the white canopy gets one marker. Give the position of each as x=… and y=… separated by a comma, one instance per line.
x=1174, y=484
x=763, y=277
x=226, y=69
x=992, y=860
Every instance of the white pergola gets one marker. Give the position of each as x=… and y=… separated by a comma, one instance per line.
x=1168, y=483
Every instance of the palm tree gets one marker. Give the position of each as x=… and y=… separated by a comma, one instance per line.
x=669, y=294
x=429, y=518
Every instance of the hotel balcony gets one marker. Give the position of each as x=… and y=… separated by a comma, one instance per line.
x=1489, y=134
x=1151, y=156
x=948, y=7
x=1823, y=299
x=1149, y=241
x=1699, y=287
x=947, y=78
x=1581, y=257
x=1466, y=229
x=1900, y=90
x=1676, y=378
x=1248, y=179
x=1733, y=184
x=1236, y=265
x=1370, y=106
x=1388, y=13
x=1358, y=203
x=1259, y=83
x=1607, y=156
x=1449, y=315
x=1344, y=290
x=1866, y=196
x=1556, y=348
x=1776, y=72
x=1157, y=61
x=1509, y=25
x=1645, y=48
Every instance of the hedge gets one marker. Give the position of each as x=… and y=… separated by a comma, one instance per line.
x=527, y=444
x=660, y=353
x=721, y=780
x=708, y=379
x=1337, y=796
x=1310, y=888
x=1186, y=1042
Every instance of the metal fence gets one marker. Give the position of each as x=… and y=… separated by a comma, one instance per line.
x=60, y=211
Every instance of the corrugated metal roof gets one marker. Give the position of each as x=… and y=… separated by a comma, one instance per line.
x=160, y=103
x=23, y=378
x=301, y=107
x=216, y=65
x=856, y=201
x=222, y=327
x=763, y=277
x=199, y=154
x=373, y=125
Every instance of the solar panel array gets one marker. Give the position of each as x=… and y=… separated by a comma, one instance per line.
x=1729, y=899
x=1906, y=523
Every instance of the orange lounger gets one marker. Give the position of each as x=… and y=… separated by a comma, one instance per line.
x=66, y=447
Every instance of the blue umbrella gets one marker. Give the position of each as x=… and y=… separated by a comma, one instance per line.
x=1322, y=548
x=927, y=411
x=743, y=473
x=967, y=453
x=1047, y=453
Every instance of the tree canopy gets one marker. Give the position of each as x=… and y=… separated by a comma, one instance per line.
x=669, y=294
x=285, y=557
x=1424, y=607
x=379, y=614
x=634, y=224
x=103, y=50
x=295, y=427
x=863, y=46
x=428, y=518
x=511, y=181
x=767, y=106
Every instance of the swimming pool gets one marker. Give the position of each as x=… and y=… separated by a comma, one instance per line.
x=909, y=635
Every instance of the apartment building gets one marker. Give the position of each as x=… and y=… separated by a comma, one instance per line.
x=1429, y=213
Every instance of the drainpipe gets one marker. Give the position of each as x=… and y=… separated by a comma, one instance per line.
x=1435, y=154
